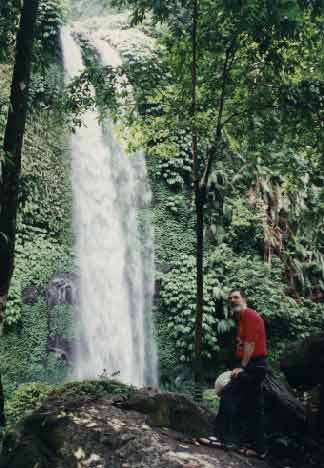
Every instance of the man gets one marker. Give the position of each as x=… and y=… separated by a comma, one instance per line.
x=245, y=388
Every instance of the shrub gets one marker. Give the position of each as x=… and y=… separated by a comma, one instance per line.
x=26, y=398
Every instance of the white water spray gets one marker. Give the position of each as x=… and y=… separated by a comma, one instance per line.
x=115, y=251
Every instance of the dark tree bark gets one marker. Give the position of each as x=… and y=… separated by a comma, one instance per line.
x=284, y=411
x=321, y=411
x=199, y=200
x=303, y=366
x=13, y=142
x=198, y=204
x=303, y=362
x=201, y=180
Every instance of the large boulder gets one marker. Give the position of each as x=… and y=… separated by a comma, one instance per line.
x=303, y=362
x=61, y=289
x=173, y=411
x=284, y=412
x=303, y=366
x=30, y=295
x=139, y=431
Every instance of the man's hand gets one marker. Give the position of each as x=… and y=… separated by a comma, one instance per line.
x=236, y=372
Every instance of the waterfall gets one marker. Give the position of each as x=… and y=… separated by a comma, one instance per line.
x=113, y=243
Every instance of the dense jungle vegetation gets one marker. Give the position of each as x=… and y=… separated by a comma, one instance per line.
x=227, y=102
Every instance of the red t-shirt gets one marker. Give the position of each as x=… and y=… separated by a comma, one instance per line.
x=251, y=329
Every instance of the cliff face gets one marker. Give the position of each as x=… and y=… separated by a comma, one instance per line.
x=137, y=431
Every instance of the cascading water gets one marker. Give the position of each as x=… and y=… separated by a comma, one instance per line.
x=115, y=250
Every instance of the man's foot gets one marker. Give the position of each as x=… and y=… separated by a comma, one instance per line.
x=251, y=453
x=210, y=442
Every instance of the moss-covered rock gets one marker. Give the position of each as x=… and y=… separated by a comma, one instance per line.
x=173, y=411
x=107, y=424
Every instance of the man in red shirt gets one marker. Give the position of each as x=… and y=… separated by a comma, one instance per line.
x=245, y=388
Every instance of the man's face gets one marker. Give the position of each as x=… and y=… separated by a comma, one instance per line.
x=237, y=303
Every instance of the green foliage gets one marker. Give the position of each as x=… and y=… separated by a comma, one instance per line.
x=30, y=397
x=45, y=199
x=173, y=232
x=168, y=359
x=228, y=34
x=97, y=388
x=44, y=236
x=25, y=399
x=175, y=203
x=270, y=99
x=5, y=76
x=178, y=298
x=285, y=318
x=44, y=239
x=245, y=231
x=274, y=68
x=51, y=15
x=24, y=351
x=175, y=170
x=273, y=108
x=38, y=257
x=211, y=400
x=62, y=325
x=9, y=16
x=45, y=195
x=47, y=80
x=46, y=88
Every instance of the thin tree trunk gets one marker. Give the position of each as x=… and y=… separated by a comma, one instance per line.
x=194, y=135
x=13, y=141
x=200, y=200
x=199, y=206
x=321, y=412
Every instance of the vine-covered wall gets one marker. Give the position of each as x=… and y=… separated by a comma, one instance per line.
x=44, y=232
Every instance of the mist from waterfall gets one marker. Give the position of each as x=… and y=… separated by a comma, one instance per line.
x=114, y=244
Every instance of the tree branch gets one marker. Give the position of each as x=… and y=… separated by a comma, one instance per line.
x=211, y=150
x=194, y=93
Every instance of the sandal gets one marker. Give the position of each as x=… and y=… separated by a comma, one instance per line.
x=209, y=442
x=251, y=453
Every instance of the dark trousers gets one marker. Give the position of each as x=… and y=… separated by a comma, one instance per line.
x=240, y=419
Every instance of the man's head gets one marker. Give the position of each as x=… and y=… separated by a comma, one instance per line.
x=237, y=301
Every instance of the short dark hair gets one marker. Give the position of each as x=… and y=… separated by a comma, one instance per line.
x=240, y=290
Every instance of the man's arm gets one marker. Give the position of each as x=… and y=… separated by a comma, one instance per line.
x=248, y=349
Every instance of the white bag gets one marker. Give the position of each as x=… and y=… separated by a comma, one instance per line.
x=222, y=380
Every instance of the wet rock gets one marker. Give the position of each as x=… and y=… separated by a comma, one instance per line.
x=60, y=347
x=162, y=268
x=30, y=295
x=61, y=289
x=173, y=411
x=73, y=432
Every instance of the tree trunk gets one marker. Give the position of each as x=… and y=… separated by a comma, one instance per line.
x=13, y=141
x=321, y=411
x=199, y=200
x=199, y=208
x=303, y=362
x=283, y=411
x=303, y=366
